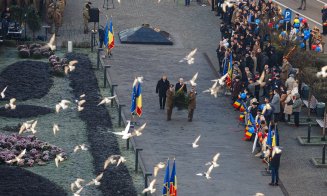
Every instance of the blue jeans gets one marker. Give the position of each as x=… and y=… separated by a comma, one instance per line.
x=274, y=175
x=187, y=2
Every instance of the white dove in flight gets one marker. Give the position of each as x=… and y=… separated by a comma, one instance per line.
x=3, y=92
x=214, y=160
x=194, y=144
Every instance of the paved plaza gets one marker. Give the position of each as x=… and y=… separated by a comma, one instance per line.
x=240, y=173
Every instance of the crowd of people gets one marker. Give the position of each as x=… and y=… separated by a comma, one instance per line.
x=265, y=86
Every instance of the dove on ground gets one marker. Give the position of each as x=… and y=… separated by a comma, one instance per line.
x=150, y=188
x=26, y=126
x=189, y=58
x=63, y=104
x=125, y=133
x=59, y=159
x=12, y=104
x=3, y=92
x=55, y=129
x=76, y=184
x=17, y=158
x=95, y=181
x=106, y=100
x=194, y=144
x=207, y=173
x=80, y=147
x=214, y=160
x=156, y=168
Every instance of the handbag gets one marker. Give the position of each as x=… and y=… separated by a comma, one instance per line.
x=288, y=109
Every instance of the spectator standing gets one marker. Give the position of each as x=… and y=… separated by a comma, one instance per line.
x=237, y=87
x=274, y=164
x=286, y=68
x=187, y=2
x=290, y=82
x=275, y=103
x=303, y=4
x=161, y=89
x=324, y=19
x=297, y=104
x=86, y=17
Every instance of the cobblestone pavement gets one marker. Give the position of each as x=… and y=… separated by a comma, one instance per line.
x=192, y=27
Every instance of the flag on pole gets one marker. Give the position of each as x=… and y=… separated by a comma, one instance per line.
x=173, y=181
x=106, y=35
x=165, y=190
x=269, y=137
x=230, y=71
x=136, y=106
x=111, y=37
x=275, y=139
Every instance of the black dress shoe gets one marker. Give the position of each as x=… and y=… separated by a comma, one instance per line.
x=276, y=184
x=299, y=8
x=271, y=184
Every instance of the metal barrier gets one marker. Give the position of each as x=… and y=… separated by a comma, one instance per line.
x=139, y=163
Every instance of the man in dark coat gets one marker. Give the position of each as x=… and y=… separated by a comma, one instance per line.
x=161, y=89
x=237, y=87
x=274, y=164
x=180, y=86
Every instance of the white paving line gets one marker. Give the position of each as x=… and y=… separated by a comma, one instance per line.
x=321, y=2
x=318, y=23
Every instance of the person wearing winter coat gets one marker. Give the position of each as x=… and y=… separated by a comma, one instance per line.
x=275, y=103
x=290, y=82
x=161, y=89
x=274, y=165
x=297, y=104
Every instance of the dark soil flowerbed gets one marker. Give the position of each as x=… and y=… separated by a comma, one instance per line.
x=26, y=80
x=16, y=181
x=25, y=111
x=116, y=180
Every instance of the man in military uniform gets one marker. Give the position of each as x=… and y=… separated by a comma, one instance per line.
x=170, y=101
x=86, y=17
x=192, y=103
x=54, y=17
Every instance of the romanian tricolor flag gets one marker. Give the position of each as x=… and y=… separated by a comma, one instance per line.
x=165, y=189
x=173, y=181
x=275, y=138
x=237, y=104
x=269, y=137
x=230, y=71
x=136, y=106
x=109, y=40
x=243, y=107
x=249, y=133
x=242, y=116
x=111, y=37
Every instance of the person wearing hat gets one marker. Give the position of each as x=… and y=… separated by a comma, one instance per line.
x=191, y=103
x=274, y=165
x=170, y=101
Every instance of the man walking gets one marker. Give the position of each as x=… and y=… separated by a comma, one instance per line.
x=170, y=101
x=192, y=103
x=305, y=4
x=187, y=2
x=161, y=89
